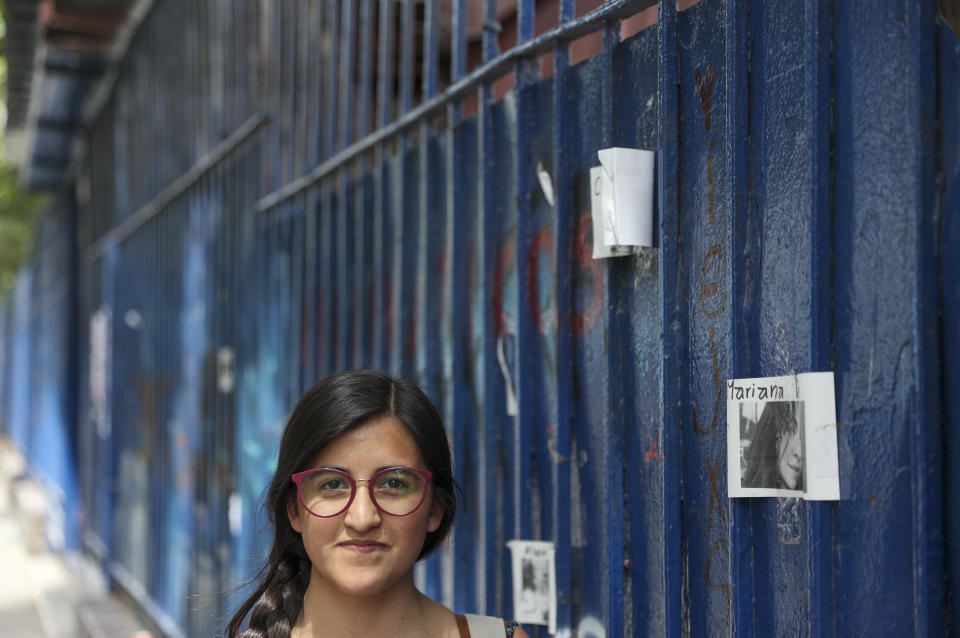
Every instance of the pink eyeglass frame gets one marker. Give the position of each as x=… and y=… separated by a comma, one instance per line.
x=300, y=476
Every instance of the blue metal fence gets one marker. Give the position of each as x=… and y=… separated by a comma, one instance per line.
x=278, y=191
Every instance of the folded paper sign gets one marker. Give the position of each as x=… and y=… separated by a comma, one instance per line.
x=622, y=201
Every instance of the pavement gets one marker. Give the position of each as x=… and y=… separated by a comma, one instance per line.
x=46, y=593
x=38, y=591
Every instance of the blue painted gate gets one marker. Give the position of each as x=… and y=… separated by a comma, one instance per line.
x=278, y=191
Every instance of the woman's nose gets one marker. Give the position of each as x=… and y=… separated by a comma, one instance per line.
x=362, y=513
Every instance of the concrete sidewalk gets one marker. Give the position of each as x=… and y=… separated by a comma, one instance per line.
x=38, y=593
x=46, y=594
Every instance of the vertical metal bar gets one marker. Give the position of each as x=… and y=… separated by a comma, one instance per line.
x=163, y=339
x=297, y=319
x=154, y=172
x=228, y=9
x=491, y=596
x=315, y=121
x=948, y=89
x=613, y=488
x=347, y=81
x=736, y=45
x=927, y=456
x=282, y=114
x=386, y=248
x=379, y=306
x=215, y=61
x=822, y=586
x=382, y=230
x=274, y=71
x=366, y=72
x=518, y=432
x=366, y=231
x=353, y=296
x=565, y=220
x=217, y=70
x=430, y=50
x=454, y=336
x=214, y=409
x=310, y=339
x=332, y=48
x=203, y=75
x=329, y=235
x=288, y=83
x=344, y=255
x=406, y=56
x=491, y=27
x=674, y=312
x=212, y=207
x=363, y=253
x=458, y=56
x=525, y=20
x=400, y=282
x=302, y=94
x=404, y=193
x=424, y=241
x=889, y=193
x=224, y=342
x=324, y=294
x=428, y=243
x=395, y=177
x=384, y=67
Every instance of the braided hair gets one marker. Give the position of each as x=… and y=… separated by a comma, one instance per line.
x=326, y=411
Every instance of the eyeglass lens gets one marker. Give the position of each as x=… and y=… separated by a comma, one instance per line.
x=396, y=491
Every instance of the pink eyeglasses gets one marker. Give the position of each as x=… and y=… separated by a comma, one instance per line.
x=395, y=491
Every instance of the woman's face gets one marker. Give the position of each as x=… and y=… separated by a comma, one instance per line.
x=790, y=460
x=363, y=551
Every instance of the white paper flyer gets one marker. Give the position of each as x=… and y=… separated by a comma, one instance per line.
x=782, y=437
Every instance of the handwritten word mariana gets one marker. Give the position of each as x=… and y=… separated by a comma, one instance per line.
x=739, y=391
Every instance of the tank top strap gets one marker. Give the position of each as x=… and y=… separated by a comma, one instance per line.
x=462, y=626
x=482, y=627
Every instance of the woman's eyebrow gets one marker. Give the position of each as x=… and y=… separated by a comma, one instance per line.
x=395, y=466
x=334, y=467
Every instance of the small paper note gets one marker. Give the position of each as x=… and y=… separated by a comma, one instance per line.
x=627, y=196
x=534, y=582
x=599, y=185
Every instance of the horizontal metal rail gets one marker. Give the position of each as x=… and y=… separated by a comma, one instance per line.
x=487, y=72
x=146, y=212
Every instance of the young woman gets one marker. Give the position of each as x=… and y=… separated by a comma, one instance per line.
x=775, y=456
x=363, y=489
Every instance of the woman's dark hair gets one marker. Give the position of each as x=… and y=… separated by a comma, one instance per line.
x=326, y=411
x=762, y=457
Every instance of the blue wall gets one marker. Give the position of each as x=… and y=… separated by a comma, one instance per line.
x=807, y=216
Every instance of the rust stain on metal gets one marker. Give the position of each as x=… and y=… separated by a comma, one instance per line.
x=653, y=452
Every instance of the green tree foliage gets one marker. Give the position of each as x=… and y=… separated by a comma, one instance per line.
x=18, y=212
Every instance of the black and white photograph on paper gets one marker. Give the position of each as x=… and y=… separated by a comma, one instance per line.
x=772, y=445
x=534, y=582
x=781, y=437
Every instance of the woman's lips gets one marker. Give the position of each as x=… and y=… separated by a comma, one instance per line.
x=363, y=547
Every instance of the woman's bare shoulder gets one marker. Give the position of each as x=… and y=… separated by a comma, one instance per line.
x=440, y=617
x=520, y=633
